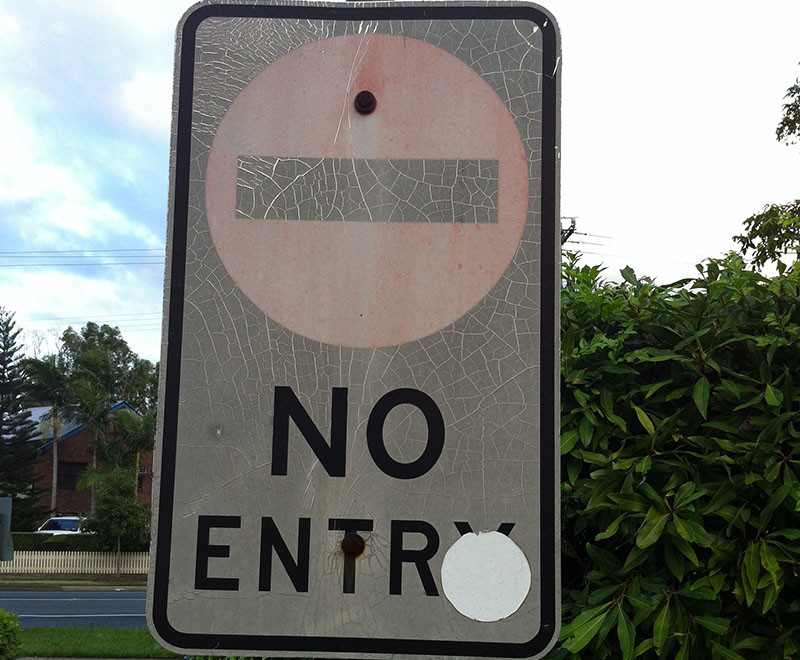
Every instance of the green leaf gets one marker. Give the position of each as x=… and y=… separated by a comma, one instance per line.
x=701, y=536
x=772, y=396
x=773, y=471
x=650, y=532
x=630, y=502
x=675, y=562
x=626, y=634
x=756, y=399
x=770, y=596
x=768, y=561
x=646, y=645
x=752, y=565
x=686, y=549
x=584, y=617
x=726, y=653
x=636, y=557
x=702, y=388
x=712, y=623
x=791, y=534
x=616, y=419
x=606, y=401
x=629, y=276
x=585, y=634
x=586, y=430
x=751, y=643
x=605, y=560
x=611, y=529
x=683, y=493
x=602, y=489
x=644, y=420
x=749, y=590
x=573, y=470
x=568, y=440
x=661, y=627
x=775, y=500
x=652, y=494
x=682, y=528
x=655, y=387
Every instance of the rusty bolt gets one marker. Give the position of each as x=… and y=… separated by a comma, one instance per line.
x=365, y=102
x=353, y=545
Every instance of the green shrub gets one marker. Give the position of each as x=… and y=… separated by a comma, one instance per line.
x=24, y=541
x=680, y=447
x=71, y=543
x=9, y=636
x=57, y=542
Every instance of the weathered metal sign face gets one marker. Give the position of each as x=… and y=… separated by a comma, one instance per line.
x=358, y=445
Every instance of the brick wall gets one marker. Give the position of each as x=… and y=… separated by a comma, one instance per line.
x=77, y=450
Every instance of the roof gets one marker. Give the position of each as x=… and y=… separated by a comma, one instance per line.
x=69, y=427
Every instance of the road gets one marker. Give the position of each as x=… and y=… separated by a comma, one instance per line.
x=50, y=609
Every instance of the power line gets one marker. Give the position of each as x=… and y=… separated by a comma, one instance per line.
x=79, y=317
x=79, y=252
x=640, y=257
x=90, y=263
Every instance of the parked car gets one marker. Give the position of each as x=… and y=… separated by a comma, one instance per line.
x=61, y=525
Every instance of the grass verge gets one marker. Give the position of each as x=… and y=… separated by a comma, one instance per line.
x=90, y=643
x=56, y=582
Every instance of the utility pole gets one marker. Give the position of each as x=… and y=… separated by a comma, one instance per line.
x=568, y=231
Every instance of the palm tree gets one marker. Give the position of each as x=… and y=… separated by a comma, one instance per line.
x=92, y=407
x=136, y=433
x=48, y=384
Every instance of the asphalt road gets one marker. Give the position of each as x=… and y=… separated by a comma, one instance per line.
x=50, y=609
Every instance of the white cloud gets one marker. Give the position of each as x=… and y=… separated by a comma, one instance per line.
x=10, y=30
x=59, y=200
x=145, y=102
x=46, y=301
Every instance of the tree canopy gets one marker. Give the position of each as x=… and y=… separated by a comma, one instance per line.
x=18, y=478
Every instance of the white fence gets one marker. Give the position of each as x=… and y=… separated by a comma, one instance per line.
x=75, y=562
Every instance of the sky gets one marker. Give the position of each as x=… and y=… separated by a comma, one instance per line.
x=668, y=143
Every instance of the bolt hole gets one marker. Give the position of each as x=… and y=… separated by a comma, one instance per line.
x=365, y=102
x=353, y=545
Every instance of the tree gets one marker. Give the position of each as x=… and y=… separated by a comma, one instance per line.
x=123, y=373
x=774, y=233
x=17, y=453
x=118, y=520
x=136, y=434
x=789, y=127
x=680, y=436
x=94, y=376
x=46, y=383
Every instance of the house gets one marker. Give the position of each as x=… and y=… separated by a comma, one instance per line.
x=74, y=455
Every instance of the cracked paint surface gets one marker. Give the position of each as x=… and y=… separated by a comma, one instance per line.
x=480, y=367
x=367, y=190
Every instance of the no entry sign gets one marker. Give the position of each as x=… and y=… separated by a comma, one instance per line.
x=357, y=454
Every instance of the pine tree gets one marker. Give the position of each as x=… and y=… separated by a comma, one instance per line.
x=17, y=454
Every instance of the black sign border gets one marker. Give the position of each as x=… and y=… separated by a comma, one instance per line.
x=549, y=360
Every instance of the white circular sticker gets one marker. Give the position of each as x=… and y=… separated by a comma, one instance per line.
x=486, y=576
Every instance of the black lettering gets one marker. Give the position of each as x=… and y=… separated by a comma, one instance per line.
x=296, y=570
x=377, y=446
x=287, y=406
x=349, y=526
x=466, y=528
x=205, y=550
x=399, y=556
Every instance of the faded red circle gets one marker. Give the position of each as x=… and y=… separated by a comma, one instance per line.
x=366, y=284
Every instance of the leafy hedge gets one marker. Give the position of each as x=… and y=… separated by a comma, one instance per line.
x=54, y=542
x=10, y=646
x=680, y=456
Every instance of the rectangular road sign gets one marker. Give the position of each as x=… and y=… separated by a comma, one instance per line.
x=359, y=401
